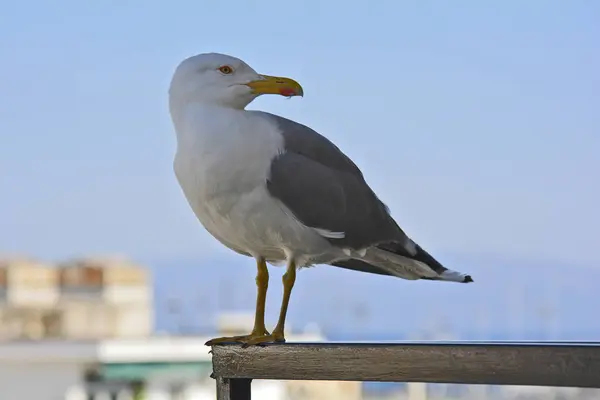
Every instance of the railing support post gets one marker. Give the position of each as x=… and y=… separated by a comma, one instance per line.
x=233, y=389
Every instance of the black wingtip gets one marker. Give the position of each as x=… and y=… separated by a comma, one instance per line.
x=468, y=279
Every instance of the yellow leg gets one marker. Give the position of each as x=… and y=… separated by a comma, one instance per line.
x=289, y=278
x=262, y=284
x=259, y=330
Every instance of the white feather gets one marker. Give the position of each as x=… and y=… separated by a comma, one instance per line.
x=330, y=234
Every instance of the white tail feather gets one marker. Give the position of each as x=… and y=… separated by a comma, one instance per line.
x=452, y=276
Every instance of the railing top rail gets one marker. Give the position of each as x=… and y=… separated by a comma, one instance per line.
x=474, y=362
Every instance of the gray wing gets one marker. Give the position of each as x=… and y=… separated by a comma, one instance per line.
x=324, y=189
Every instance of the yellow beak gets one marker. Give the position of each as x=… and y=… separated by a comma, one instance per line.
x=276, y=85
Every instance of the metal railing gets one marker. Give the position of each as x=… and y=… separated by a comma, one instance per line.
x=575, y=364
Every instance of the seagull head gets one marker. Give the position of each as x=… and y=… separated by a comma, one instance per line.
x=222, y=80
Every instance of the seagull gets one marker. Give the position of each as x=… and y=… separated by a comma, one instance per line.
x=273, y=189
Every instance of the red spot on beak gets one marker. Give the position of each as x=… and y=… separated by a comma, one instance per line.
x=287, y=92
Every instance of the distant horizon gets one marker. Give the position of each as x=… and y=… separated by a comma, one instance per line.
x=231, y=257
x=505, y=301
x=356, y=306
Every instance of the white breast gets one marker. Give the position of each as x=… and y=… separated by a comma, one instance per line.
x=224, y=151
x=222, y=164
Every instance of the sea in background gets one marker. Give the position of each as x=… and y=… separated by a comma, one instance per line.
x=519, y=300
x=510, y=299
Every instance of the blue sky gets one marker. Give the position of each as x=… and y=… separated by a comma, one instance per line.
x=477, y=123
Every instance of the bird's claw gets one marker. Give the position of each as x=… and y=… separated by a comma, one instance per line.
x=237, y=339
x=263, y=340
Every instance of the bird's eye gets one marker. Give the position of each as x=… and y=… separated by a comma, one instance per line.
x=225, y=69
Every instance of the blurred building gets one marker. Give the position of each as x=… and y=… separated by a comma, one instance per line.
x=90, y=298
x=168, y=367
x=83, y=330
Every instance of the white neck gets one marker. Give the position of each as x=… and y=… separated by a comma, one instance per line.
x=193, y=120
